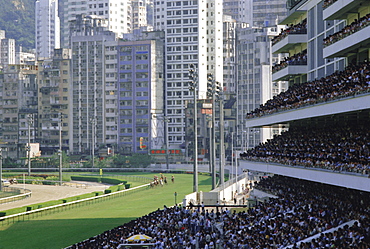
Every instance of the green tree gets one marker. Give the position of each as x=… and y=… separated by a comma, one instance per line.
x=140, y=160
x=134, y=161
x=54, y=160
x=121, y=161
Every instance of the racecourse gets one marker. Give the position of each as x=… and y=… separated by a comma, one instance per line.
x=62, y=229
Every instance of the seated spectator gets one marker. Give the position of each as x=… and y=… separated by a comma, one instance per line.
x=300, y=28
x=327, y=3
x=297, y=59
x=303, y=209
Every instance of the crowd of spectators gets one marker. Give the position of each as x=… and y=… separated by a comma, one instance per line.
x=327, y=3
x=353, y=80
x=355, y=26
x=297, y=59
x=336, y=148
x=300, y=28
x=302, y=209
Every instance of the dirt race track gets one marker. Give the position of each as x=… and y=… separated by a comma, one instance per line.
x=43, y=193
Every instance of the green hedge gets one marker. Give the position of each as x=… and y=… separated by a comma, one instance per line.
x=112, y=181
x=107, y=180
x=86, y=178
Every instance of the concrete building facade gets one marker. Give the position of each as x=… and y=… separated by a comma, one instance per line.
x=117, y=13
x=91, y=84
x=193, y=35
x=47, y=28
x=18, y=108
x=140, y=92
x=54, y=110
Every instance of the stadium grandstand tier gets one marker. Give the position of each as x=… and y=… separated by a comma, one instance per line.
x=344, y=148
x=355, y=26
x=355, y=79
x=303, y=213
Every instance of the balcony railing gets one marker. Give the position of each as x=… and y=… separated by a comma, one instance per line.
x=300, y=28
x=327, y=3
x=348, y=30
x=297, y=59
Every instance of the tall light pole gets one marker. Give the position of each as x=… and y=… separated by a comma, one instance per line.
x=193, y=85
x=60, y=149
x=211, y=94
x=93, y=141
x=28, y=147
x=165, y=120
x=222, y=136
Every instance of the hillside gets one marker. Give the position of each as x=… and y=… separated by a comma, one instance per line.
x=17, y=18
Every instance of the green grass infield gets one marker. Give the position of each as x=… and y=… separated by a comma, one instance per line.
x=68, y=227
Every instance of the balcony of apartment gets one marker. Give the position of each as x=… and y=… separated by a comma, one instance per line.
x=291, y=66
x=349, y=40
x=295, y=35
x=50, y=128
x=339, y=9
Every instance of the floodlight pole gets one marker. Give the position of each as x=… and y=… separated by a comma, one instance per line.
x=195, y=188
x=193, y=85
x=222, y=140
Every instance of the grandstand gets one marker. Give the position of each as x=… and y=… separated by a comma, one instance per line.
x=325, y=112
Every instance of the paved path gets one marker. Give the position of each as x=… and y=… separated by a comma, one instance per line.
x=43, y=193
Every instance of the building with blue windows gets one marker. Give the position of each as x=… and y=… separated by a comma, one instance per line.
x=140, y=96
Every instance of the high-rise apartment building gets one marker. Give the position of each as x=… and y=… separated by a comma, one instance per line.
x=248, y=61
x=256, y=13
x=139, y=14
x=7, y=52
x=47, y=28
x=117, y=13
x=54, y=109
x=140, y=93
x=268, y=13
x=254, y=79
x=18, y=108
x=94, y=88
x=193, y=35
x=239, y=10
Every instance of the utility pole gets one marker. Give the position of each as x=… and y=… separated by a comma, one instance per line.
x=193, y=85
x=28, y=147
x=93, y=141
x=60, y=149
x=165, y=120
x=1, y=170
